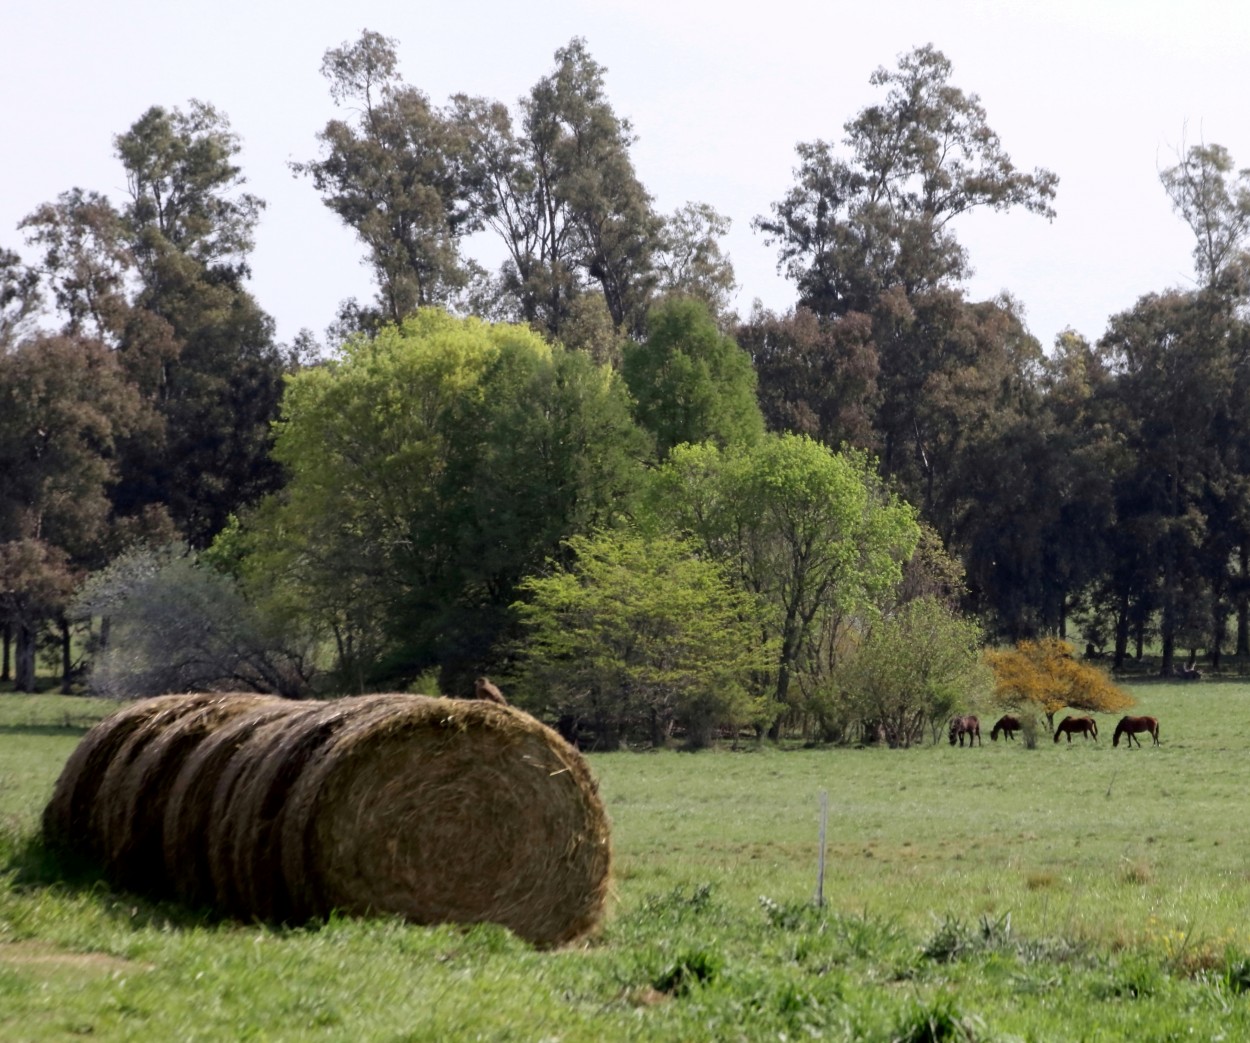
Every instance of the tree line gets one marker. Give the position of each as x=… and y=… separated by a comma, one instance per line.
x=581, y=470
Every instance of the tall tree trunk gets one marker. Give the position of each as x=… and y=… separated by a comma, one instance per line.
x=1121, y=631
x=1218, y=627
x=1167, y=616
x=24, y=675
x=1243, y=601
x=67, y=658
x=6, y=633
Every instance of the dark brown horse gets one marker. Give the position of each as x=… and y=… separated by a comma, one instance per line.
x=1130, y=726
x=1086, y=726
x=1008, y=725
x=969, y=726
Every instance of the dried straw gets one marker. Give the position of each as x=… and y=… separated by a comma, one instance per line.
x=250, y=799
x=456, y=811
x=233, y=850
x=137, y=786
x=189, y=806
x=436, y=810
x=72, y=819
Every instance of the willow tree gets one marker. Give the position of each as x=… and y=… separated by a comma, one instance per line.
x=812, y=533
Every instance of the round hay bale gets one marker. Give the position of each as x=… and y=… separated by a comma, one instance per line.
x=137, y=798
x=232, y=840
x=68, y=818
x=189, y=806
x=254, y=788
x=443, y=810
x=108, y=819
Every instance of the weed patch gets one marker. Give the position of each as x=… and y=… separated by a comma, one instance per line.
x=938, y=1022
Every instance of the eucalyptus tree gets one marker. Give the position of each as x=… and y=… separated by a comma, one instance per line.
x=1213, y=199
x=1175, y=372
x=396, y=174
x=560, y=190
x=817, y=377
x=692, y=262
x=20, y=299
x=853, y=229
x=1037, y=509
x=160, y=278
x=869, y=231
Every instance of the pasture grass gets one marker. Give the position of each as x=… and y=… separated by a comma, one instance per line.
x=1063, y=893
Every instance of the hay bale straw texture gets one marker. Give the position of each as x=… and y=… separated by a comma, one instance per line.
x=249, y=803
x=79, y=815
x=447, y=810
x=187, y=830
x=435, y=810
x=134, y=793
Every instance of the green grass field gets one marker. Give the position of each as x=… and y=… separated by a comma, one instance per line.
x=1070, y=892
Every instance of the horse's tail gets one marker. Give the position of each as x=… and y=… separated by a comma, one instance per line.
x=1093, y=726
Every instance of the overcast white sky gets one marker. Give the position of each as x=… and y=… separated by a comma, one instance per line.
x=1102, y=92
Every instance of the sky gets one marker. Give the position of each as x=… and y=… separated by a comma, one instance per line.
x=1102, y=92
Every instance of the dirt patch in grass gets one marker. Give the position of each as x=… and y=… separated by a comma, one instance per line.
x=40, y=954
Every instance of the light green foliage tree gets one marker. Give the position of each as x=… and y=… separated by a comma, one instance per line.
x=638, y=636
x=910, y=671
x=690, y=382
x=811, y=532
x=431, y=468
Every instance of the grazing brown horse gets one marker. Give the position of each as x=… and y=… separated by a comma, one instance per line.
x=1008, y=725
x=1130, y=726
x=969, y=726
x=1086, y=726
